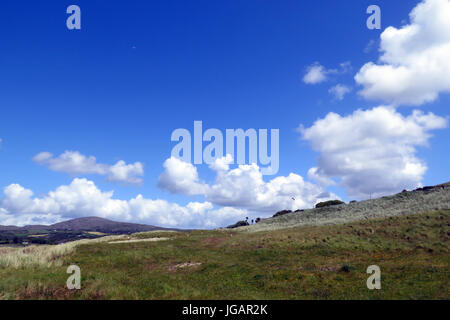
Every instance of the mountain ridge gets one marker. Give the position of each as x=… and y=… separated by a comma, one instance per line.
x=91, y=223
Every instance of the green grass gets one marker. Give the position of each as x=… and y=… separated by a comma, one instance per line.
x=321, y=262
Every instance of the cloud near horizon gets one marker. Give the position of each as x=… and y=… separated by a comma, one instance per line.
x=83, y=198
x=242, y=187
x=235, y=194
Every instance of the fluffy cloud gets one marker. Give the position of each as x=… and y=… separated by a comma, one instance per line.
x=83, y=198
x=80, y=198
x=27, y=219
x=414, y=66
x=339, y=91
x=316, y=73
x=75, y=163
x=180, y=177
x=372, y=152
x=242, y=187
x=193, y=215
x=127, y=173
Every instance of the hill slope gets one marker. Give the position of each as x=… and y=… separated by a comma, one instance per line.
x=408, y=202
x=89, y=224
x=309, y=262
x=102, y=225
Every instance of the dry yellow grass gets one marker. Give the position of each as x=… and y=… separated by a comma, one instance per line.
x=43, y=255
x=96, y=233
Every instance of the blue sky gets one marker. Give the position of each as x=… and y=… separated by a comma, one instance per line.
x=137, y=70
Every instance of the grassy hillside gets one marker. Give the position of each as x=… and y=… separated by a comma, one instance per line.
x=407, y=202
x=308, y=262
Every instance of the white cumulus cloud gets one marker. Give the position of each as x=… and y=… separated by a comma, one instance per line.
x=339, y=91
x=414, y=66
x=317, y=73
x=242, y=187
x=73, y=162
x=180, y=177
x=371, y=152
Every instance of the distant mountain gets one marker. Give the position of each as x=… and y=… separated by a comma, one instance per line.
x=89, y=224
x=102, y=225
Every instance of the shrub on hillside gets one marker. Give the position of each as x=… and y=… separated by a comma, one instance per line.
x=329, y=203
x=280, y=213
x=238, y=224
